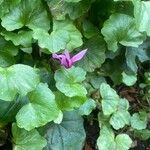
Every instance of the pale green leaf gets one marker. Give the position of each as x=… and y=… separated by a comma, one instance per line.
x=27, y=13
x=121, y=28
x=27, y=140
x=121, y=117
x=59, y=119
x=110, y=99
x=107, y=140
x=70, y=37
x=139, y=120
x=123, y=142
x=68, y=81
x=42, y=109
x=23, y=38
x=142, y=15
x=68, y=103
x=129, y=79
x=123, y=104
x=97, y=81
x=87, y=107
x=17, y=79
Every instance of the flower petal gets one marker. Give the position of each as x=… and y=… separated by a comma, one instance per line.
x=66, y=53
x=55, y=56
x=78, y=56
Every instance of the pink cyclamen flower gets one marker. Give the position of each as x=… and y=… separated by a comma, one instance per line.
x=66, y=60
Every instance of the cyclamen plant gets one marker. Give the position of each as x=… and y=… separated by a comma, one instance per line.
x=99, y=99
x=66, y=60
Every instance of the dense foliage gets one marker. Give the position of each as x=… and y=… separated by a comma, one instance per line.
x=47, y=103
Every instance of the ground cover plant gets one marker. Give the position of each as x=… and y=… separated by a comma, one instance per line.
x=74, y=74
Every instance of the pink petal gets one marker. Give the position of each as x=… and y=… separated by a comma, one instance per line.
x=66, y=53
x=78, y=56
x=64, y=59
x=55, y=56
x=68, y=59
x=60, y=57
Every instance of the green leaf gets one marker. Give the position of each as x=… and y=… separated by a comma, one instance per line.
x=110, y=99
x=7, y=53
x=122, y=0
x=103, y=119
x=27, y=13
x=121, y=117
x=97, y=81
x=121, y=28
x=6, y=5
x=68, y=103
x=70, y=37
x=59, y=119
x=69, y=134
x=68, y=81
x=42, y=108
x=60, y=9
x=23, y=38
x=141, y=14
x=129, y=79
x=17, y=79
x=23, y=140
x=107, y=140
x=139, y=120
x=77, y=10
x=89, y=30
x=9, y=110
x=73, y=1
x=113, y=68
x=142, y=53
x=95, y=55
x=123, y=142
x=142, y=134
x=87, y=107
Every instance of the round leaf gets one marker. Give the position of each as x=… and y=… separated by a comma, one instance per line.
x=68, y=103
x=121, y=28
x=27, y=13
x=123, y=142
x=142, y=17
x=69, y=134
x=42, y=109
x=70, y=37
x=68, y=81
x=139, y=121
x=95, y=55
x=23, y=140
x=110, y=99
x=17, y=79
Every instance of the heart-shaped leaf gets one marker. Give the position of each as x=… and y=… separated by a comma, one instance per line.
x=42, y=108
